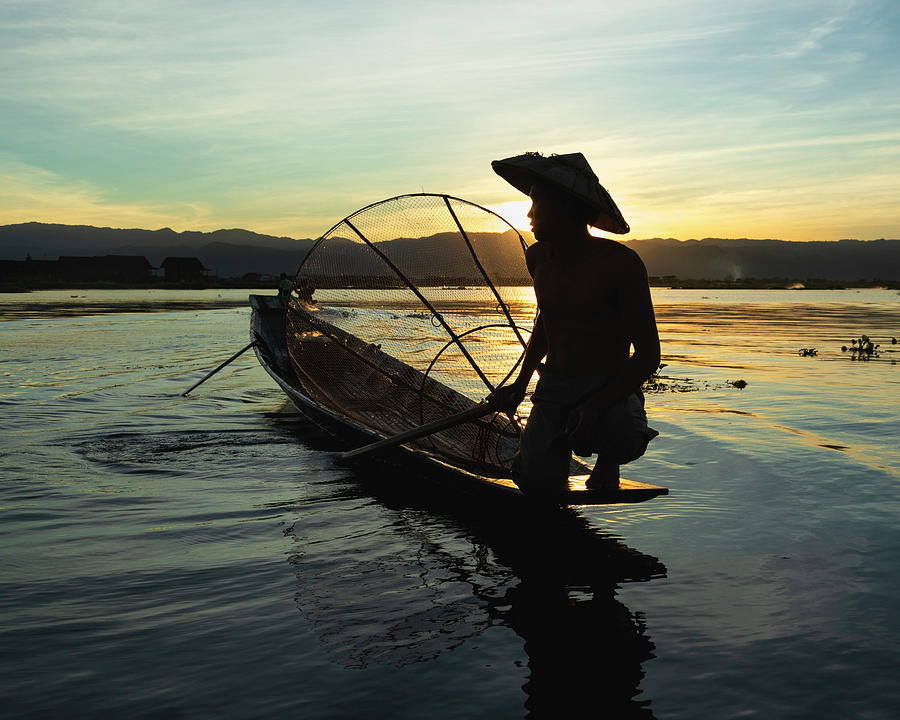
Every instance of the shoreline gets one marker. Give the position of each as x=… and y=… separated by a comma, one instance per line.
x=670, y=282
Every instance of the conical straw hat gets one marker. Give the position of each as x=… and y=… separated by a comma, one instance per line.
x=570, y=173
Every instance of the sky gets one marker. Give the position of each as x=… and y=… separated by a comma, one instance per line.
x=702, y=118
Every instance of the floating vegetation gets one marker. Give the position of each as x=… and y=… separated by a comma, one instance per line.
x=663, y=383
x=658, y=383
x=863, y=348
x=807, y=352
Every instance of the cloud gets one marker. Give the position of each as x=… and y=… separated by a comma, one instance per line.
x=824, y=141
x=812, y=37
x=285, y=116
x=29, y=193
x=34, y=194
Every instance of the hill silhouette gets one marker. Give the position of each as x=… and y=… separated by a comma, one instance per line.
x=234, y=252
x=722, y=259
x=227, y=253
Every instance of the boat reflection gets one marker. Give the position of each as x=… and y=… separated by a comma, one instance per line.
x=393, y=569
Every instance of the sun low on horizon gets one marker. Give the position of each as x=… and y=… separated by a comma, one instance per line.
x=515, y=212
x=753, y=119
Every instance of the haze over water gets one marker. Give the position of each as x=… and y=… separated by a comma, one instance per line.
x=208, y=556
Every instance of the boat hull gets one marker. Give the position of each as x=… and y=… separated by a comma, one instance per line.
x=267, y=335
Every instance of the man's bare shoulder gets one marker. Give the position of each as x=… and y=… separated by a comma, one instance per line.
x=536, y=254
x=537, y=250
x=623, y=257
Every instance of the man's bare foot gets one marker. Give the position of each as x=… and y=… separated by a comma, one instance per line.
x=603, y=477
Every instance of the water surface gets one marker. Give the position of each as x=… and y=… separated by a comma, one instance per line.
x=208, y=556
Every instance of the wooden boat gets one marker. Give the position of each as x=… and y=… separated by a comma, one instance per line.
x=405, y=314
x=352, y=417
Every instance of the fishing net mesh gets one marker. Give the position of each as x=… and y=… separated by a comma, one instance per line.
x=411, y=310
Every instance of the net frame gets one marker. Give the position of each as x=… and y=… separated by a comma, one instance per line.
x=446, y=198
x=497, y=427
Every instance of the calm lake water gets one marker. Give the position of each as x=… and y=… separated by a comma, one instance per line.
x=209, y=557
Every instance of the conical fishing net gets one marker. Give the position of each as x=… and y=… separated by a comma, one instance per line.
x=411, y=310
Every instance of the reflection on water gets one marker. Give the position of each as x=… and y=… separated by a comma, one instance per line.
x=445, y=568
x=208, y=557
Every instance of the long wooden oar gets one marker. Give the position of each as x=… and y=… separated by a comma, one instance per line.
x=210, y=374
x=473, y=413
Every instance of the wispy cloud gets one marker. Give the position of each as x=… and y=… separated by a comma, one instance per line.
x=31, y=193
x=285, y=116
x=811, y=37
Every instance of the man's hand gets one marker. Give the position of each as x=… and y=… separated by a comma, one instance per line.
x=507, y=398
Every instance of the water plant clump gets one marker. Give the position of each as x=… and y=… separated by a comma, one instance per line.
x=658, y=383
x=807, y=352
x=862, y=348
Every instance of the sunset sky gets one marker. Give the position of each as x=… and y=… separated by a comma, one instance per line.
x=702, y=118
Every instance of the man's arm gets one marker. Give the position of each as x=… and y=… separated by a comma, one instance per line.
x=639, y=322
x=640, y=328
x=509, y=397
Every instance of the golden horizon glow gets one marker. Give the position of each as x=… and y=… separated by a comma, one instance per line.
x=515, y=212
x=768, y=120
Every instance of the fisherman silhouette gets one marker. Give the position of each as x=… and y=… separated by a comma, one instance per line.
x=594, y=304
x=284, y=289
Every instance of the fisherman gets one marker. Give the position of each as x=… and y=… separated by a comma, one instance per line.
x=594, y=304
x=284, y=289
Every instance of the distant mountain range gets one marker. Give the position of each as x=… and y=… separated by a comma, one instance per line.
x=233, y=253
x=226, y=253
x=722, y=259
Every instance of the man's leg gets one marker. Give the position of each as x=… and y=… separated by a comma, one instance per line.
x=623, y=438
x=541, y=465
x=604, y=476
